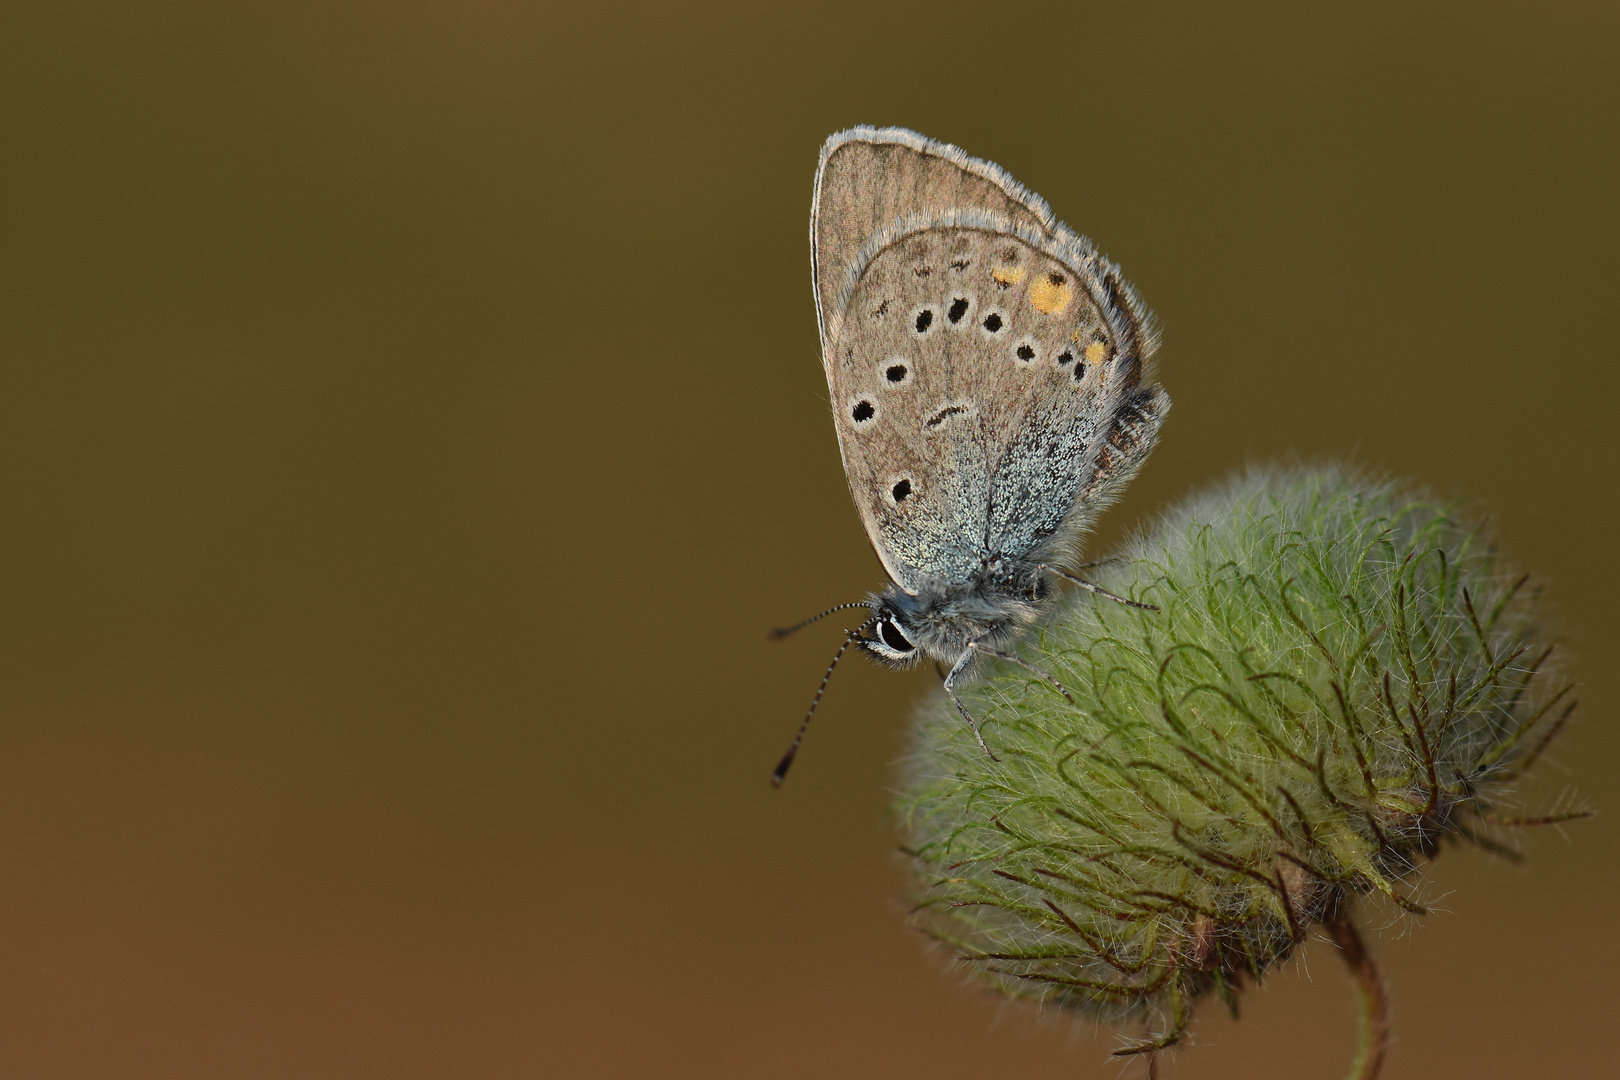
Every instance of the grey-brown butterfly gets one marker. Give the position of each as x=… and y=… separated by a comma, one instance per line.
x=987, y=370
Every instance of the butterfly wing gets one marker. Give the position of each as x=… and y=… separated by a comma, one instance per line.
x=869, y=178
x=985, y=368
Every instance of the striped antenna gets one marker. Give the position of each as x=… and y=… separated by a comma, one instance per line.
x=779, y=633
x=787, y=759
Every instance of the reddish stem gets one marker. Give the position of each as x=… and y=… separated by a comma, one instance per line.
x=1372, y=1037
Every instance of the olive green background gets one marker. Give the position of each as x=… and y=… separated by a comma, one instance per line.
x=411, y=419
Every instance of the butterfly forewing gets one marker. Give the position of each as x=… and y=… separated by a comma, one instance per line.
x=872, y=177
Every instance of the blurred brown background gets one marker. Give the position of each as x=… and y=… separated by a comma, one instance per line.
x=411, y=420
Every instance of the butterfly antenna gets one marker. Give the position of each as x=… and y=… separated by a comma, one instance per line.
x=787, y=759
x=779, y=633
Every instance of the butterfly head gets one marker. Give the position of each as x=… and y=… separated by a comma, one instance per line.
x=942, y=619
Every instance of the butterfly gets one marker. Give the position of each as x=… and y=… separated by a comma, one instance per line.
x=987, y=372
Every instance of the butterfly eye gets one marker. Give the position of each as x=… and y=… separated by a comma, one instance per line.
x=893, y=638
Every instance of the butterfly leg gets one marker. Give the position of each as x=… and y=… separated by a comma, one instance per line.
x=1098, y=589
x=957, y=669
x=1025, y=664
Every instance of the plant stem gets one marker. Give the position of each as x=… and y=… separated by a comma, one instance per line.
x=1372, y=1036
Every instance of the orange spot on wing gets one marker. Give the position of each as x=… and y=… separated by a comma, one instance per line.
x=1095, y=352
x=1008, y=276
x=1050, y=293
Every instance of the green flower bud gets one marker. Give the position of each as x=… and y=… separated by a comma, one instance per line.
x=1337, y=678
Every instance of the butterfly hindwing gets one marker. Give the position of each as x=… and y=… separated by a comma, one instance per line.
x=975, y=377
